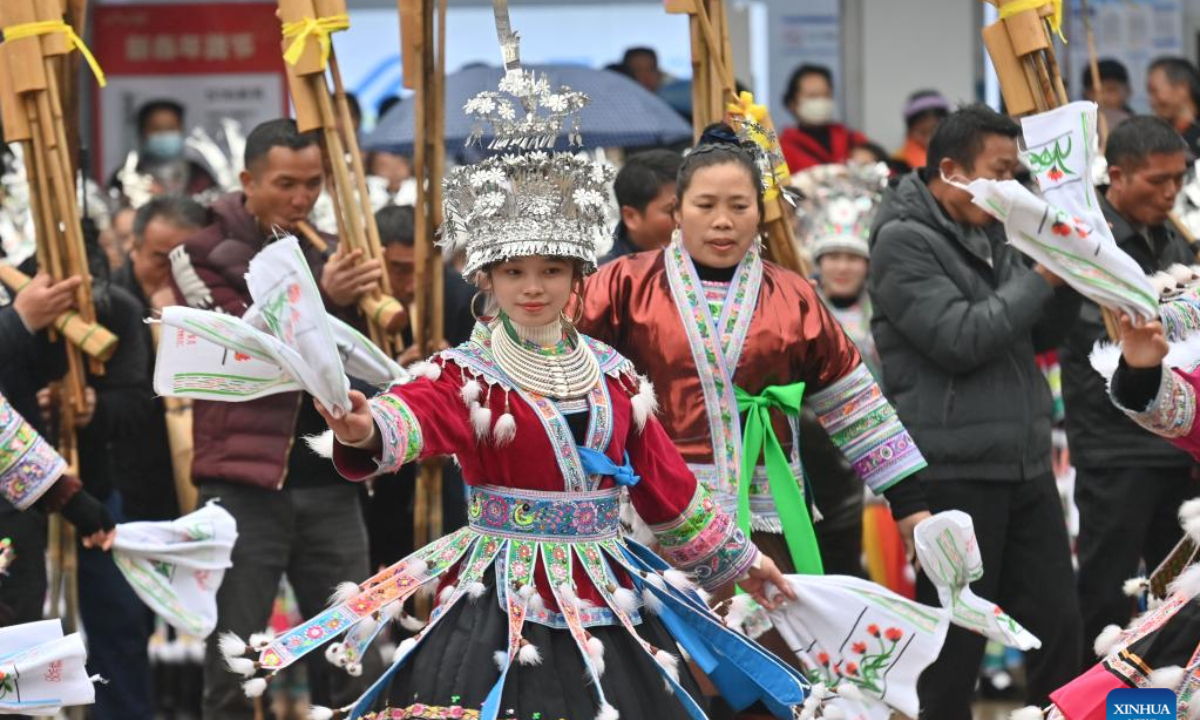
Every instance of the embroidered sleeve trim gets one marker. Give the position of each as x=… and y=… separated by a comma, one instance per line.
x=28, y=464
x=399, y=432
x=1172, y=413
x=865, y=427
x=705, y=541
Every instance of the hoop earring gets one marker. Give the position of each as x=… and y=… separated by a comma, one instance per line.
x=577, y=315
x=474, y=299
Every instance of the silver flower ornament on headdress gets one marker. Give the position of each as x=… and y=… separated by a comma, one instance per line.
x=527, y=200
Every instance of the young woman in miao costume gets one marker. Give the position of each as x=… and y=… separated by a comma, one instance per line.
x=543, y=610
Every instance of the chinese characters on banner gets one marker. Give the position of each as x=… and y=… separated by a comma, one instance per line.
x=219, y=60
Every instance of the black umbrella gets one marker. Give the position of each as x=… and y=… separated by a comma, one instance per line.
x=621, y=114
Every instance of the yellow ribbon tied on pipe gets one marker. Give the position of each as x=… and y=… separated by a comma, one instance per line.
x=752, y=117
x=49, y=27
x=1055, y=19
x=320, y=28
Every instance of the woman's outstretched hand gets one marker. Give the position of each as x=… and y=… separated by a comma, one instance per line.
x=1142, y=346
x=356, y=426
x=761, y=578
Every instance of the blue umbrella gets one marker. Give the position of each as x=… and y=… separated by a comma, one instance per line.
x=621, y=114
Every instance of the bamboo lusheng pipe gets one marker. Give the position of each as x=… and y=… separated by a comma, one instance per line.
x=342, y=103
x=317, y=110
x=781, y=239
x=92, y=338
x=312, y=237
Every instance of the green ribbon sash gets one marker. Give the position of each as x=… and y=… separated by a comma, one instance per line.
x=758, y=438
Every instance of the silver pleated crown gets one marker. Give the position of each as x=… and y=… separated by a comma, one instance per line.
x=527, y=200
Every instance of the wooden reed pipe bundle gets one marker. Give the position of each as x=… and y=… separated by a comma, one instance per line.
x=1022, y=52
x=309, y=23
x=423, y=51
x=92, y=338
x=36, y=46
x=714, y=87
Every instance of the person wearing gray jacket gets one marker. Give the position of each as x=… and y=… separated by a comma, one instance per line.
x=959, y=317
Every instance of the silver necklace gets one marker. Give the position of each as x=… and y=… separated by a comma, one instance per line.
x=569, y=375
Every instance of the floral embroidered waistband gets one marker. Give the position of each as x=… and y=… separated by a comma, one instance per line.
x=511, y=512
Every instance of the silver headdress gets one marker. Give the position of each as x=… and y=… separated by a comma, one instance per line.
x=526, y=200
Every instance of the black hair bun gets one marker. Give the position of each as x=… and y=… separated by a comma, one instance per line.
x=719, y=133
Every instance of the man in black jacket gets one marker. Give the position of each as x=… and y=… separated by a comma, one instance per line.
x=161, y=225
x=1129, y=482
x=958, y=319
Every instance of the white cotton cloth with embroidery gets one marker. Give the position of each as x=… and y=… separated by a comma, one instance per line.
x=41, y=671
x=176, y=567
x=1065, y=229
x=284, y=342
x=852, y=632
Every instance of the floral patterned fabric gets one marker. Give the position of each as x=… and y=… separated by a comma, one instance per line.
x=28, y=464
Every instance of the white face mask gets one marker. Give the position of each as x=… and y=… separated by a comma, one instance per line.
x=815, y=110
x=961, y=183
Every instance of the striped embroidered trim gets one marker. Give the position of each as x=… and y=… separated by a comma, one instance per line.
x=420, y=711
x=864, y=425
x=1172, y=413
x=28, y=464
x=705, y=541
x=399, y=431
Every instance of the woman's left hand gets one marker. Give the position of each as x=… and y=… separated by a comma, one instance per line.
x=762, y=578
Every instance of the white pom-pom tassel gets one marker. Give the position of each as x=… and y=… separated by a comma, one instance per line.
x=403, y=649
x=354, y=669
x=471, y=392
x=476, y=589
x=411, y=623
x=231, y=646
x=1188, y=583
x=321, y=444
x=537, y=604
x=526, y=592
x=1027, y=713
x=833, y=712
x=505, y=430
x=254, y=688
x=645, y=404
x=446, y=594
x=367, y=625
x=343, y=593
x=335, y=654
x=318, y=712
x=1167, y=678
x=1189, y=510
x=1134, y=587
x=679, y=579
x=390, y=612
x=653, y=605
x=740, y=607
x=481, y=420
x=1163, y=282
x=625, y=600
x=529, y=654
x=260, y=641
x=569, y=595
x=595, y=651
x=1182, y=273
x=1192, y=528
x=608, y=712
x=669, y=663
x=500, y=657
x=850, y=692
x=241, y=666
x=418, y=567
x=425, y=369
x=1107, y=640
